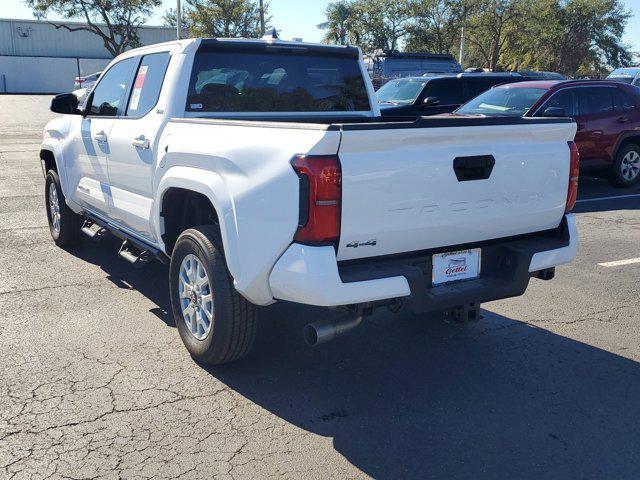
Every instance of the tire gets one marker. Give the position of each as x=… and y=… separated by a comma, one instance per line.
x=64, y=223
x=220, y=325
x=626, y=167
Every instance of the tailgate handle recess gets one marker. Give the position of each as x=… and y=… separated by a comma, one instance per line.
x=478, y=167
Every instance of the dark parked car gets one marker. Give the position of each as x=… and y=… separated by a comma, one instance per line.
x=433, y=95
x=607, y=115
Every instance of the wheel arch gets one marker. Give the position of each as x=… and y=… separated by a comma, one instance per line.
x=624, y=139
x=211, y=186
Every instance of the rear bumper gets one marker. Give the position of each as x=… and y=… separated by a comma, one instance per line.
x=312, y=275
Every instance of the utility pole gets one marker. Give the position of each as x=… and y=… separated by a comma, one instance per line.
x=461, y=61
x=178, y=20
x=262, y=27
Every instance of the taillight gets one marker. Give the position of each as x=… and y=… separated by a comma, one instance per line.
x=320, y=199
x=574, y=174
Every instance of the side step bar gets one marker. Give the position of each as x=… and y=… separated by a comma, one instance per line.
x=134, y=251
x=95, y=234
x=137, y=258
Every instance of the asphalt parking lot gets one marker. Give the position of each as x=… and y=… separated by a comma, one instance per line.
x=95, y=383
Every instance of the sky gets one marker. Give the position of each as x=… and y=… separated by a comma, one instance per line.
x=299, y=18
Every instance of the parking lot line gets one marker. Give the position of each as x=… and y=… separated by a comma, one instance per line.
x=619, y=263
x=614, y=197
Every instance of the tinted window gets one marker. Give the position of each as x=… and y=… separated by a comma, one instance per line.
x=567, y=99
x=503, y=101
x=449, y=91
x=109, y=93
x=147, y=84
x=475, y=86
x=401, y=92
x=599, y=100
x=275, y=82
x=624, y=101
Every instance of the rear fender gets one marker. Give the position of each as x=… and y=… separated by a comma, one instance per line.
x=211, y=185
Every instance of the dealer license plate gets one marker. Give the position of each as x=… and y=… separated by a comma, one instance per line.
x=456, y=266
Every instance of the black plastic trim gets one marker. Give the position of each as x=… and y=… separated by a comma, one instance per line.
x=286, y=48
x=504, y=271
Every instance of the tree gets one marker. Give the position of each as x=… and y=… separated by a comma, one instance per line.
x=381, y=24
x=573, y=37
x=115, y=21
x=370, y=24
x=436, y=26
x=493, y=26
x=339, y=22
x=220, y=18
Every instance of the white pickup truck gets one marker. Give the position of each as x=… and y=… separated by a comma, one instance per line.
x=261, y=170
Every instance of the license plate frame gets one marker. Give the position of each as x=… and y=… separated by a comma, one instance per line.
x=456, y=266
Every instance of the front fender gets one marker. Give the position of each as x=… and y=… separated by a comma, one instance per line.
x=54, y=134
x=211, y=185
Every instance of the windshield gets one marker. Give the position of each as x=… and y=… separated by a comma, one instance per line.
x=625, y=75
x=401, y=92
x=503, y=101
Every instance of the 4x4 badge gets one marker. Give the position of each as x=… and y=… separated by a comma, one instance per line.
x=356, y=244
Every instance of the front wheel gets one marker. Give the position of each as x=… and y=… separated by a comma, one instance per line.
x=626, y=167
x=216, y=324
x=64, y=223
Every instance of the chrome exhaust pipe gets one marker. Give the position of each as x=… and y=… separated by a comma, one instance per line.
x=323, y=332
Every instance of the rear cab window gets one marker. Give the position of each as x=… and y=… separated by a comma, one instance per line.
x=257, y=79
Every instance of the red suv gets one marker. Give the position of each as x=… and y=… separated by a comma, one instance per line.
x=607, y=114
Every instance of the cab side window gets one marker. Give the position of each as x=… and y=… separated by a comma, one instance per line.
x=147, y=84
x=448, y=91
x=624, y=101
x=108, y=96
x=599, y=100
x=476, y=86
x=567, y=99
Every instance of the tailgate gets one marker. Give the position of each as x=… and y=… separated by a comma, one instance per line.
x=411, y=189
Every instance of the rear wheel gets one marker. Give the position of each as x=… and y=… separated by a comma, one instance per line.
x=64, y=223
x=216, y=324
x=626, y=167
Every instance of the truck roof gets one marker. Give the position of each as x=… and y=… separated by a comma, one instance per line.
x=212, y=43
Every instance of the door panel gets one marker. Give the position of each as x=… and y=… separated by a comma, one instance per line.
x=601, y=128
x=87, y=167
x=88, y=173
x=133, y=143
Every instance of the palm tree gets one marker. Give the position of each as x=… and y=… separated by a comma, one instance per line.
x=339, y=16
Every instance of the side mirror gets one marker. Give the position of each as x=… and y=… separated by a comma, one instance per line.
x=65, y=103
x=431, y=101
x=554, y=112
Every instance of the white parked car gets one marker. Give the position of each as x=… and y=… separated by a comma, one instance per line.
x=86, y=81
x=261, y=170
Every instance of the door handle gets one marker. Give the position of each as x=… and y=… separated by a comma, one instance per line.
x=141, y=142
x=100, y=136
x=597, y=133
x=623, y=119
x=478, y=167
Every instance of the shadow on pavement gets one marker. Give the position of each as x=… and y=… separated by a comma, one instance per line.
x=414, y=397
x=411, y=397
x=591, y=188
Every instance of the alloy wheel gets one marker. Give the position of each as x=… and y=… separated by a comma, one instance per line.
x=630, y=166
x=54, y=207
x=196, y=300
